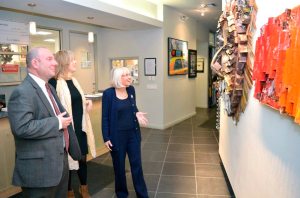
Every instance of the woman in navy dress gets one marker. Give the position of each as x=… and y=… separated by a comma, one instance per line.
x=121, y=131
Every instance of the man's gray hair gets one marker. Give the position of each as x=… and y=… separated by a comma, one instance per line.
x=32, y=54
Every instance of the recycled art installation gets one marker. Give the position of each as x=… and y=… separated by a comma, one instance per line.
x=233, y=61
x=277, y=64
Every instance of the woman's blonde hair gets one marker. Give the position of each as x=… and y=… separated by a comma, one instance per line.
x=63, y=59
x=116, y=75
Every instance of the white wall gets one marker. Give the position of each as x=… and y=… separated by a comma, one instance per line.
x=261, y=153
x=142, y=44
x=202, y=78
x=179, y=91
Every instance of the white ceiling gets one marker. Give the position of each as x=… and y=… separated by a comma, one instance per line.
x=70, y=11
x=190, y=7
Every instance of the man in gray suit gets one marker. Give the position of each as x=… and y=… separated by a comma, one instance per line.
x=41, y=166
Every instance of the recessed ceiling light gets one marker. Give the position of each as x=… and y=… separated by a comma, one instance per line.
x=43, y=33
x=50, y=40
x=31, y=4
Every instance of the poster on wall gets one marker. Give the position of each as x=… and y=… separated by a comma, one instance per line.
x=177, y=57
x=14, y=32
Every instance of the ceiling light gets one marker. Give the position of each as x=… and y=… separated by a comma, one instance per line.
x=43, y=33
x=184, y=18
x=50, y=40
x=32, y=27
x=202, y=13
x=91, y=37
x=31, y=4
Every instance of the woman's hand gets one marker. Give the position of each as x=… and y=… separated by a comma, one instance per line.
x=108, y=144
x=142, y=118
x=89, y=105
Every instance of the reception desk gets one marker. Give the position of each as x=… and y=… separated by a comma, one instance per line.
x=7, y=146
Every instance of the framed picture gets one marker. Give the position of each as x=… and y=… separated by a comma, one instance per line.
x=177, y=57
x=150, y=66
x=192, y=70
x=200, y=65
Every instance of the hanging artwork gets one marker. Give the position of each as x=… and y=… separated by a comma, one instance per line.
x=234, y=57
x=276, y=67
x=192, y=64
x=177, y=57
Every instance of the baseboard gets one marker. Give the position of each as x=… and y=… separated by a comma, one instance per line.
x=230, y=189
x=170, y=124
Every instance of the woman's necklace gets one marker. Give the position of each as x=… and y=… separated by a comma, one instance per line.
x=121, y=94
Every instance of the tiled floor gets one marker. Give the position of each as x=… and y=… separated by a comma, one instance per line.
x=180, y=162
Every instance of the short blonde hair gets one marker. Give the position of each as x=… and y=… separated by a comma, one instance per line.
x=63, y=59
x=116, y=75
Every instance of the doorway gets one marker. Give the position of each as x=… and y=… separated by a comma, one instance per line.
x=85, y=58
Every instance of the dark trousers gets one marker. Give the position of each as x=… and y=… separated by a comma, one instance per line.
x=58, y=191
x=128, y=143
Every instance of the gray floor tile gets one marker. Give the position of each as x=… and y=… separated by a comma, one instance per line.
x=212, y=186
x=205, y=140
x=152, y=167
x=182, y=133
x=155, y=156
x=214, y=196
x=206, y=148
x=173, y=195
x=208, y=170
x=158, y=138
x=180, y=157
x=203, y=134
x=177, y=184
x=107, y=193
x=183, y=127
x=181, y=169
x=181, y=147
x=155, y=146
x=207, y=158
x=181, y=140
x=151, y=182
x=165, y=131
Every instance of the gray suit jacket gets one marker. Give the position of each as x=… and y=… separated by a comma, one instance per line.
x=38, y=141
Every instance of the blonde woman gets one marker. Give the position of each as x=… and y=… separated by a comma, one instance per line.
x=72, y=97
x=121, y=131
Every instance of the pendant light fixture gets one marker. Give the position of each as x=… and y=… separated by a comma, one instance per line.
x=32, y=27
x=32, y=24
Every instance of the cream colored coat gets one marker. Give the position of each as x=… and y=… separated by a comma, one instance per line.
x=64, y=95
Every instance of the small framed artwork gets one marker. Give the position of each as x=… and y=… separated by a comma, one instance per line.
x=192, y=60
x=200, y=65
x=150, y=66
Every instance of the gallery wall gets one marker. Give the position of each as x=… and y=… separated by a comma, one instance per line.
x=179, y=91
x=261, y=152
x=142, y=44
